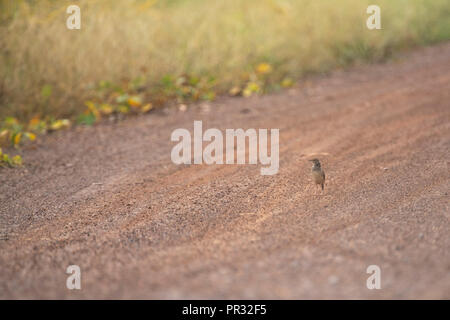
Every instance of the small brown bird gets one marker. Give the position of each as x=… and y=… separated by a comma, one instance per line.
x=317, y=173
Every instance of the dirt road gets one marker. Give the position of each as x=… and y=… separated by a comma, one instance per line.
x=109, y=199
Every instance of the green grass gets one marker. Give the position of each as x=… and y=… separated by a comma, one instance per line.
x=47, y=70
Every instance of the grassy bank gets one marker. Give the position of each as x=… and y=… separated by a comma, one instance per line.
x=157, y=51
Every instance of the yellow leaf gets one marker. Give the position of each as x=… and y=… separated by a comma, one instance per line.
x=123, y=109
x=34, y=122
x=287, y=83
x=134, y=101
x=93, y=109
x=66, y=123
x=247, y=93
x=56, y=125
x=17, y=160
x=252, y=87
x=234, y=91
x=147, y=108
x=60, y=124
x=31, y=136
x=263, y=68
x=5, y=158
x=4, y=137
x=106, y=109
x=90, y=105
x=17, y=138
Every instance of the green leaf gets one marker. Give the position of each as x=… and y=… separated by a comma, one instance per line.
x=167, y=81
x=123, y=98
x=193, y=81
x=46, y=91
x=86, y=119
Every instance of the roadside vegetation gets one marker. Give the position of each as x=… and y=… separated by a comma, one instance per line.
x=133, y=56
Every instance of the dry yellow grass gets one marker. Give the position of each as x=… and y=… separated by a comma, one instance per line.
x=121, y=40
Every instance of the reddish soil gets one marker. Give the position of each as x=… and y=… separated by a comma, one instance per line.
x=109, y=199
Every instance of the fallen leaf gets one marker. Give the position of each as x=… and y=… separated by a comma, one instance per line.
x=147, y=108
x=287, y=83
x=134, y=101
x=17, y=138
x=263, y=68
x=234, y=91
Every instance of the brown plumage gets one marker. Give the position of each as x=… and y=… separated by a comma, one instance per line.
x=317, y=173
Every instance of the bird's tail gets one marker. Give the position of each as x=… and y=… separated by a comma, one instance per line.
x=322, y=186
